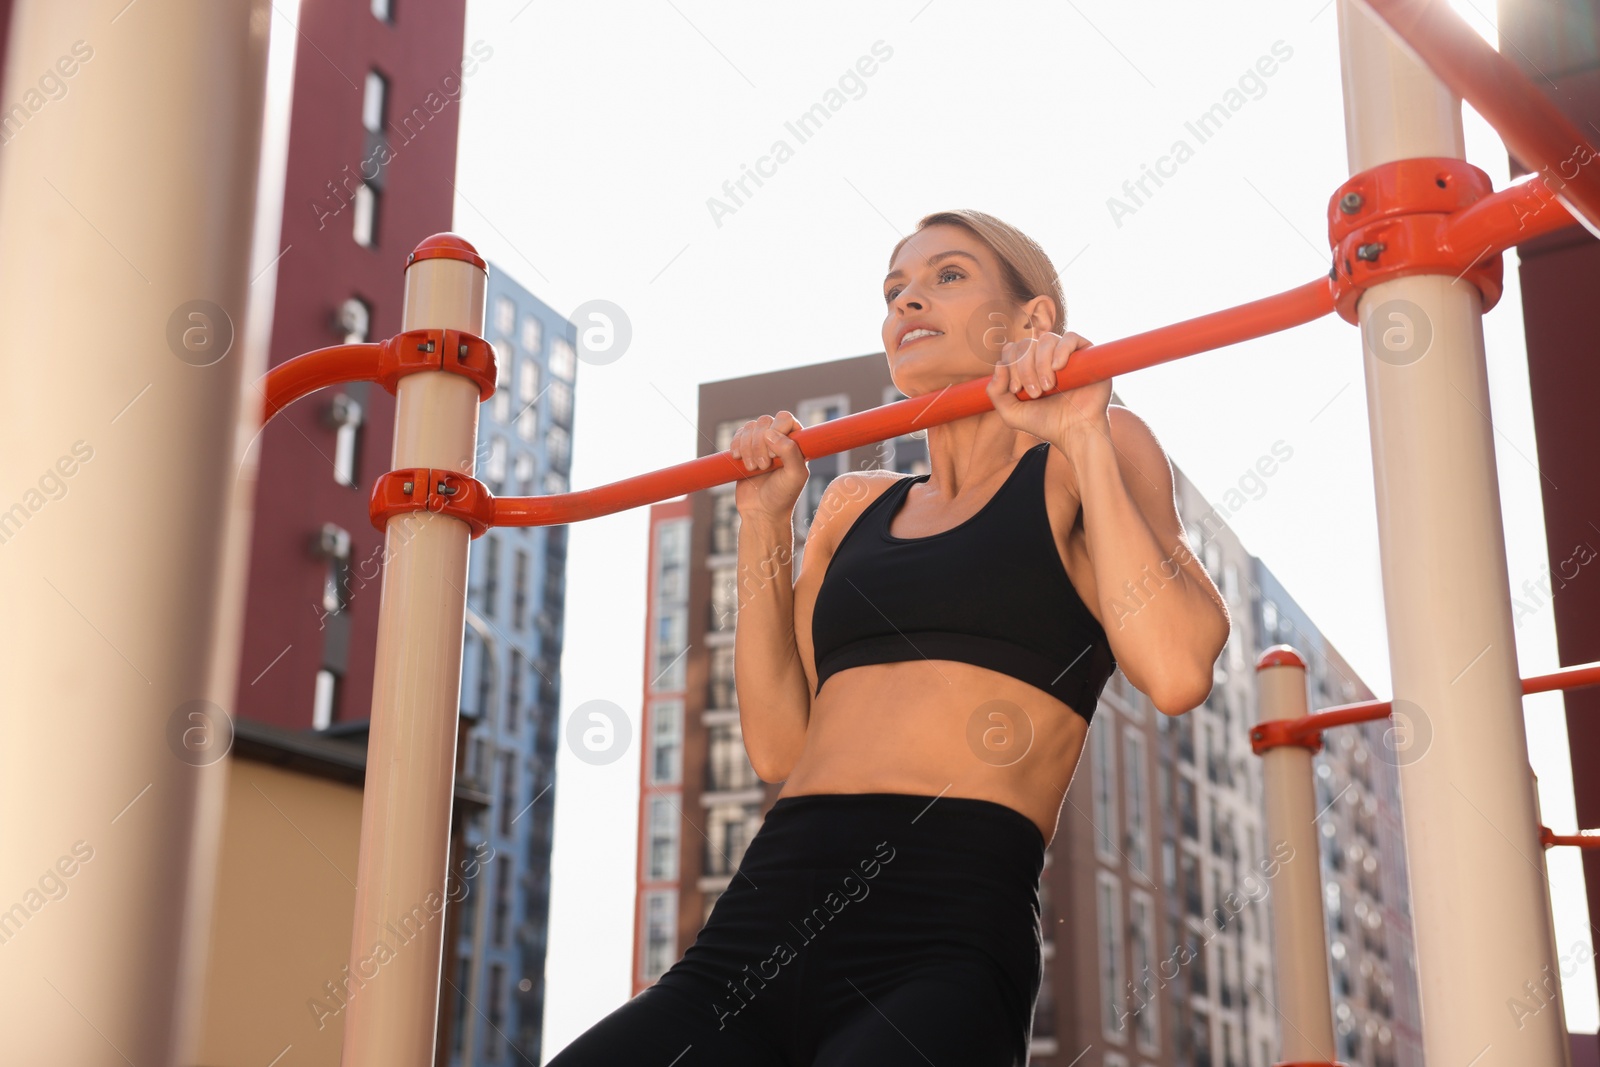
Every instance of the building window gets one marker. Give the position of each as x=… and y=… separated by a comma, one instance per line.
x=1104, y=772
x=1200, y=971
x=1200, y=1035
x=724, y=524
x=531, y=331
x=562, y=359
x=373, y=101
x=486, y=673
x=1138, y=807
x=494, y=465
x=1108, y=906
x=522, y=468
x=383, y=10
x=1142, y=935
x=478, y=764
x=663, y=830
x=727, y=767
x=344, y=415
x=491, y=575
x=824, y=468
x=325, y=699
x=729, y=828
x=505, y=316
x=666, y=742
x=528, y=423
x=502, y=899
x=561, y=403
x=558, y=446
x=672, y=550
x=514, y=678
x=1188, y=808
x=365, y=229
x=463, y=983
x=500, y=402
x=671, y=633
x=1193, y=900
x=721, y=693
x=527, y=379
x=497, y=1013
x=519, y=591
x=508, y=791
x=555, y=483
x=352, y=320
x=660, y=929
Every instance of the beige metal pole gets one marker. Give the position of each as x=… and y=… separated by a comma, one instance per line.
x=1299, y=929
x=1544, y=993
x=1478, y=892
x=398, y=937
x=128, y=181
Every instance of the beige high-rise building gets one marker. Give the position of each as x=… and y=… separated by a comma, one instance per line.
x=1157, y=889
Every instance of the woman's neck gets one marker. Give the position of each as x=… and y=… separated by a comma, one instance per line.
x=970, y=451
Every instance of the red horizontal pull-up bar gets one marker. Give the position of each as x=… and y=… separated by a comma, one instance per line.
x=1307, y=729
x=1533, y=128
x=1095, y=363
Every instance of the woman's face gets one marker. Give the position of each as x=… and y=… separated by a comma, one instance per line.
x=948, y=311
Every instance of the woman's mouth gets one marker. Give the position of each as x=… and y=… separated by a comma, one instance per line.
x=917, y=335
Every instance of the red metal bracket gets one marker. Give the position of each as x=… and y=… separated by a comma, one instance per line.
x=450, y=350
x=384, y=362
x=1278, y=732
x=442, y=492
x=1393, y=220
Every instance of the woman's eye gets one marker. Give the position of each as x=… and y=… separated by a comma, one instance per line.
x=948, y=271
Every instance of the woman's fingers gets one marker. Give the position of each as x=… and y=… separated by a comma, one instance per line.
x=756, y=442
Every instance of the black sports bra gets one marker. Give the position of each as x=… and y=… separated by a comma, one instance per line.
x=990, y=591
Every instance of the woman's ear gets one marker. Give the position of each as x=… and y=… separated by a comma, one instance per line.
x=1039, y=315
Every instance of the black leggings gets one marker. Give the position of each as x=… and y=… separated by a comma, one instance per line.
x=880, y=929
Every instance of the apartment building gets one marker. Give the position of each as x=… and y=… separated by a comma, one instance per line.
x=511, y=683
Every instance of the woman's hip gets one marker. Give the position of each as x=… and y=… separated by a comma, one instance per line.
x=886, y=884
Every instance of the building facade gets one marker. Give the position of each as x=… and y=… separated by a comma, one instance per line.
x=372, y=149
x=1557, y=45
x=1156, y=892
x=511, y=682
x=661, y=770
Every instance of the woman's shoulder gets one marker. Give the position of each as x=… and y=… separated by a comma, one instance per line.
x=845, y=498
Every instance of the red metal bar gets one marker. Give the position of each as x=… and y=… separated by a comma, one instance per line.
x=1515, y=214
x=1578, y=677
x=310, y=371
x=1258, y=318
x=1306, y=729
x=1533, y=129
x=1582, y=839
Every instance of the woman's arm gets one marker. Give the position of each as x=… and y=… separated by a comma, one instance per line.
x=1162, y=614
x=774, y=697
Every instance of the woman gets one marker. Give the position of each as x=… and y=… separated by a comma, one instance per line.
x=923, y=689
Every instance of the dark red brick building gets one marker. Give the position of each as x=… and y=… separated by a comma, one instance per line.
x=1557, y=44
x=372, y=154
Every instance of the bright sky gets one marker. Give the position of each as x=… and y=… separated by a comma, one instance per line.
x=595, y=134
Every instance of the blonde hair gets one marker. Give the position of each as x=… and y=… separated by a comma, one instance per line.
x=1026, y=270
